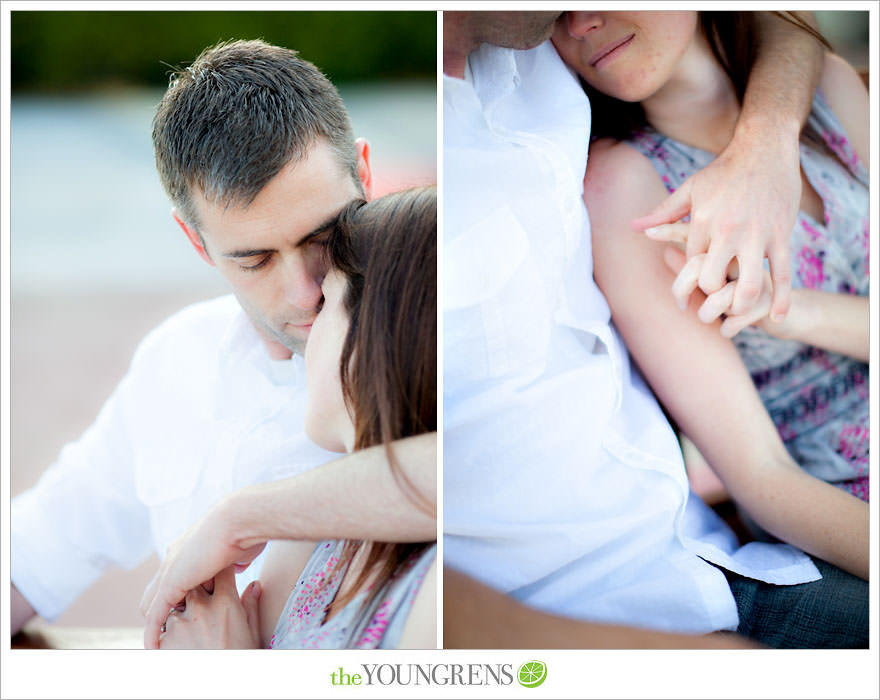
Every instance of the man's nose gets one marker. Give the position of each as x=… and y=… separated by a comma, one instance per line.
x=302, y=284
x=582, y=23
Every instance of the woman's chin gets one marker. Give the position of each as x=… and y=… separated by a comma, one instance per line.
x=330, y=430
x=329, y=445
x=626, y=90
x=328, y=440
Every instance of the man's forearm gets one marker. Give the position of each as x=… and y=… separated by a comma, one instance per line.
x=356, y=497
x=478, y=617
x=20, y=611
x=784, y=76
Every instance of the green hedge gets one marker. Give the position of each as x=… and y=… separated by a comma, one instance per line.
x=81, y=50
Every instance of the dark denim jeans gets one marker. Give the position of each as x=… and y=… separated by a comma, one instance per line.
x=831, y=613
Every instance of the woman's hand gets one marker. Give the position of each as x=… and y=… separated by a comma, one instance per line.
x=836, y=322
x=208, y=547
x=721, y=302
x=218, y=620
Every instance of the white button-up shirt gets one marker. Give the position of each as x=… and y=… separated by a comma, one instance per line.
x=563, y=483
x=202, y=411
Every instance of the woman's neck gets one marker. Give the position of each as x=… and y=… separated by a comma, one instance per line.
x=698, y=104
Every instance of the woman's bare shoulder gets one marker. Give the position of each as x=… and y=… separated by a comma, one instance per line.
x=620, y=184
x=848, y=98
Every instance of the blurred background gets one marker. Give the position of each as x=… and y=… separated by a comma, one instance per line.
x=96, y=260
x=847, y=31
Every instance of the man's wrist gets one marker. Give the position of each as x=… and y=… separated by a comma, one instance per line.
x=259, y=513
x=239, y=520
x=762, y=130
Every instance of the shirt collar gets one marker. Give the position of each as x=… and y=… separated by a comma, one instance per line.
x=241, y=346
x=494, y=72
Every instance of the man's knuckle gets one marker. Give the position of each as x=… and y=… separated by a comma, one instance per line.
x=727, y=228
x=781, y=267
x=700, y=221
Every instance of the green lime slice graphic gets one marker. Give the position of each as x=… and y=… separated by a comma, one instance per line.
x=532, y=673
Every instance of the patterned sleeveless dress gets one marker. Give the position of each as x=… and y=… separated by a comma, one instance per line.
x=817, y=399
x=377, y=626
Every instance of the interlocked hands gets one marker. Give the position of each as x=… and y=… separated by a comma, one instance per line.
x=743, y=207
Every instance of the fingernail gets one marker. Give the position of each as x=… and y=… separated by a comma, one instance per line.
x=256, y=589
x=652, y=231
x=778, y=318
x=682, y=305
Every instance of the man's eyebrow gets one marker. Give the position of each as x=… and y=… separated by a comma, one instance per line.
x=318, y=230
x=315, y=232
x=247, y=253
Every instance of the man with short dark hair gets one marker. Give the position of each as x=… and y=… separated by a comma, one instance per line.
x=283, y=104
x=255, y=149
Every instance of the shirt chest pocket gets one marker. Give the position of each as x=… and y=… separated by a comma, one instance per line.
x=166, y=472
x=498, y=307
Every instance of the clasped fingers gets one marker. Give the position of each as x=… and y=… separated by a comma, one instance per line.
x=720, y=303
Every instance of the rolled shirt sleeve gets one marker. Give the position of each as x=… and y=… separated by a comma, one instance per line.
x=81, y=517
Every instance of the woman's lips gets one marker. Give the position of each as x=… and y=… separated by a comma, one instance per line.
x=609, y=51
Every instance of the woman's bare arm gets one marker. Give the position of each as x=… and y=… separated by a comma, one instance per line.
x=835, y=322
x=699, y=377
x=832, y=321
x=846, y=95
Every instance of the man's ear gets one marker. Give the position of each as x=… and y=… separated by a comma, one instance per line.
x=194, y=237
x=365, y=174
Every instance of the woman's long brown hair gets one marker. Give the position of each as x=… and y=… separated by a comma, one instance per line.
x=731, y=36
x=387, y=251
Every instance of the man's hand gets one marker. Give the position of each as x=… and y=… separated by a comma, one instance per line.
x=744, y=204
x=218, y=620
x=193, y=559
x=743, y=207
